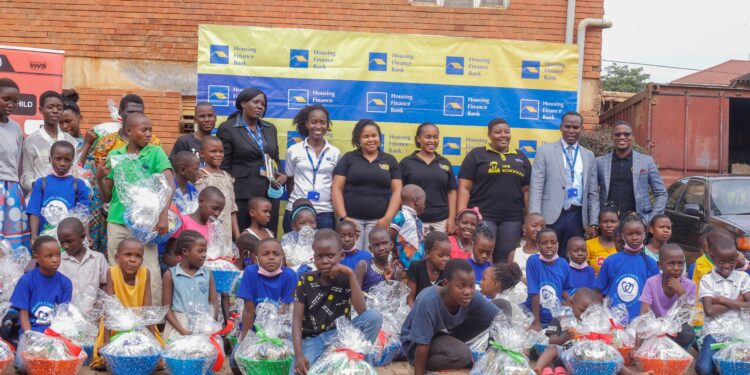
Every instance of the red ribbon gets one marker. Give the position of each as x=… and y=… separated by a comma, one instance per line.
x=381, y=338
x=12, y=348
x=74, y=349
x=219, y=349
x=351, y=354
x=616, y=326
x=607, y=338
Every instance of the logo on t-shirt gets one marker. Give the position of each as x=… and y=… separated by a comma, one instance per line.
x=493, y=168
x=547, y=295
x=55, y=210
x=43, y=313
x=385, y=167
x=627, y=288
x=600, y=261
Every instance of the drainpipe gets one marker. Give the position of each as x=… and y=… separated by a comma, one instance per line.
x=588, y=22
x=570, y=21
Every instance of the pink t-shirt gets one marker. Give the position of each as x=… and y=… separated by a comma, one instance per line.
x=653, y=294
x=456, y=251
x=189, y=224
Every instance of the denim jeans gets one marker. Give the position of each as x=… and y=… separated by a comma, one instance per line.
x=364, y=227
x=704, y=365
x=368, y=322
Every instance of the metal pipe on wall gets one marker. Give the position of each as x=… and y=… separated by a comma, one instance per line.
x=570, y=20
x=586, y=23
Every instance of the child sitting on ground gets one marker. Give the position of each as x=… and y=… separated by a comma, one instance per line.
x=548, y=278
x=185, y=165
x=533, y=223
x=581, y=275
x=406, y=227
x=212, y=154
x=260, y=215
x=267, y=281
x=601, y=247
x=86, y=269
x=188, y=287
x=462, y=245
x=499, y=278
x=321, y=297
x=376, y=268
x=663, y=290
x=484, y=244
x=427, y=272
x=353, y=256
x=56, y=193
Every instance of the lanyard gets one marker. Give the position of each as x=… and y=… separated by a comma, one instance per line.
x=572, y=164
x=315, y=168
x=256, y=135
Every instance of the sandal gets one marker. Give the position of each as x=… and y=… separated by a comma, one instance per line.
x=547, y=371
x=560, y=371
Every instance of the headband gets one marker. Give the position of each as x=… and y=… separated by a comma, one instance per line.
x=301, y=208
x=473, y=210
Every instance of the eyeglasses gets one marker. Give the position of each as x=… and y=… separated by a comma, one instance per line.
x=623, y=134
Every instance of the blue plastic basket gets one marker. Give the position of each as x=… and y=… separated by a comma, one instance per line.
x=727, y=367
x=89, y=349
x=223, y=280
x=188, y=366
x=131, y=365
x=580, y=367
x=540, y=348
x=387, y=356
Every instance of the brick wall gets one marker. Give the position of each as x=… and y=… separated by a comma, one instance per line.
x=162, y=107
x=167, y=30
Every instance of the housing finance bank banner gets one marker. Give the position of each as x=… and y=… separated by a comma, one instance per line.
x=399, y=80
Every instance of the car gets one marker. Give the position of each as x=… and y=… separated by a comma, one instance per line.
x=700, y=204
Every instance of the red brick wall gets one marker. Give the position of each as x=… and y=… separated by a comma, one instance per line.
x=162, y=107
x=167, y=30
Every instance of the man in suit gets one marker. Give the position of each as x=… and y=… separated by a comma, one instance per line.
x=626, y=177
x=563, y=184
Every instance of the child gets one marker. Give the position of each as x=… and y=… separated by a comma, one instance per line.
x=352, y=256
x=210, y=203
x=185, y=166
x=533, y=223
x=138, y=129
x=601, y=247
x=443, y=319
x=548, y=278
x=663, y=290
x=499, y=278
x=704, y=264
x=188, y=285
x=660, y=229
x=374, y=269
x=70, y=119
x=56, y=193
x=247, y=245
x=303, y=215
x=170, y=257
x=462, y=245
x=212, y=154
x=267, y=281
x=130, y=281
x=13, y=228
x=624, y=274
x=484, y=244
x=321, y=297
x=86, y=269
x=205, y=122
x=406, y=227
x=723, y=292
x=260, y=215
x=427, y=272
x=581, y=275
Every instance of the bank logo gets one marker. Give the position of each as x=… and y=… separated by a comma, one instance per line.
x=377, y=102
x=453, y=105
x=218, y=96
x=529, y=109
x=219, y=54
x=454, y=65
x=452, y=146
x=298, y=58
x=297, y=98
x=378, y=62
x=528, y=147
x=530, y=69
x=292, y=138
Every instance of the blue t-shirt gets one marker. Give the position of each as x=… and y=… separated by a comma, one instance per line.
x=583, y=278
x=39, y=294
x=258, y=288
x=58, y=196
x=623, y=276
x=351, y=261
x=478, y=268
x=187, y=203
x=549, y=281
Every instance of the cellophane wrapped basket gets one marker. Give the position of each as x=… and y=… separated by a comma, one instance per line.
x=220, y=257
x=268, y=350
x=133, y=350
x=70, y=322
x=390, y=299
x=299, y=253
x=593, y=350
x=6, y=350
x=56, y=214
x=49, y=353
x=623, y=336
x=732, y=335
x=509, y=336
x=12, y=265
x=201, y=351
x=658, y=353
x=347, y=353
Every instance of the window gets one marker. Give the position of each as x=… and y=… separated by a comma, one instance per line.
x=695, y=193
x=730, y=197
x=675, y=191
x=464, y=3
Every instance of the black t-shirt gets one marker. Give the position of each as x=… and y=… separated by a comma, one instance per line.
x=323, y=304
x=621, y=183
x=436, y=179
x=419, y=274
x=368, y=185
x=186, y=142
x=498, y=180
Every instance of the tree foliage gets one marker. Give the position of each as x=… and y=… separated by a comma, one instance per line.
x=623, y=78
x=599, y=141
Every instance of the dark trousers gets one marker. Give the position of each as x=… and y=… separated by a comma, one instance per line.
x=567, y=226
x=243, y=215
x=323, y=220
x=704, y=365
x=685, y=337
x=508, y=234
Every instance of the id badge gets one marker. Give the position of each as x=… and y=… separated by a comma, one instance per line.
x=263, y=172
x=313, y=196
x=572, y=192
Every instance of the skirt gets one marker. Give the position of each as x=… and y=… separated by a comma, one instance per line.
x=15, y=222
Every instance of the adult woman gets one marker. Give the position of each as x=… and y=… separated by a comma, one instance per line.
x=434, y=174
x=366, y=183
x=248, y=142
x=496, y=180
x=309, y=166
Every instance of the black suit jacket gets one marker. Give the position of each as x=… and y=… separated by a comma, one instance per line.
x=243, y=159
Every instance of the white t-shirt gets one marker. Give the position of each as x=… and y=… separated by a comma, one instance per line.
x=299, y=166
